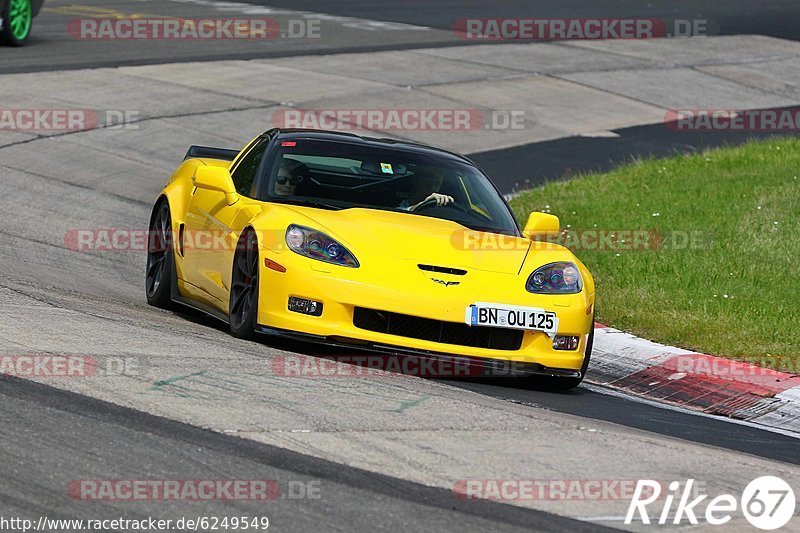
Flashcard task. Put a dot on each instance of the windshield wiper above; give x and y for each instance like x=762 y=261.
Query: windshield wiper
x=309 y=203
x=489 y=229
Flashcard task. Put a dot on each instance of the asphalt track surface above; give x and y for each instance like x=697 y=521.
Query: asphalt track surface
x=728 y=18
x=368 y=26
x=350 y=26
x=51 y=436
x=58 y=301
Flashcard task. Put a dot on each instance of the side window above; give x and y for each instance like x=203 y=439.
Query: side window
x=245 y=174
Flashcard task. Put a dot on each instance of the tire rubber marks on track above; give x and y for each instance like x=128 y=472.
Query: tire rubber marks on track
x=211 y=385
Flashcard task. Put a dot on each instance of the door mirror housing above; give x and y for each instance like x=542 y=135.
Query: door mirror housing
x=217 y=179
x=541 y=226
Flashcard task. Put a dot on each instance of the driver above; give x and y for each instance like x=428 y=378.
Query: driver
x=290 y=175
x=425 y=184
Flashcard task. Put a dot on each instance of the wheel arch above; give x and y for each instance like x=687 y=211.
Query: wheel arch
x=248 y=228
x=245 y=230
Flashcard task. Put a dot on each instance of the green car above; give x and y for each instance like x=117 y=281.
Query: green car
x=17 y=19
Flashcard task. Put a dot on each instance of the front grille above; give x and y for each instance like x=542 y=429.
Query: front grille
x=437 y=330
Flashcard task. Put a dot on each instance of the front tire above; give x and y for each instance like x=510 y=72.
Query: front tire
x=243 y=305
x=17 y=18
x=160 y=259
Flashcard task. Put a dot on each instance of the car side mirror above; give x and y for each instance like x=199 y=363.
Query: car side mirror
x=217 y=179
x=541 y=226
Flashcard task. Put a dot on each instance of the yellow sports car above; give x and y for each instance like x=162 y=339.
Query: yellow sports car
x=373 y=244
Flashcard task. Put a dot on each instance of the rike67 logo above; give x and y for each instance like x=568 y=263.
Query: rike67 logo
x=767 y=502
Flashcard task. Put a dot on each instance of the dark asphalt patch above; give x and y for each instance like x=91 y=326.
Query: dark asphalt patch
x=526 y=166
x=777 y=18
x=679 y=424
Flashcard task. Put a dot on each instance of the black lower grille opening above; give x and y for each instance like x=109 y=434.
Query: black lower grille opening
x=437 y=330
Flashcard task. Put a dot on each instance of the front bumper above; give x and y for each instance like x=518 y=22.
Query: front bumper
x=408 y=290
x=445 y=365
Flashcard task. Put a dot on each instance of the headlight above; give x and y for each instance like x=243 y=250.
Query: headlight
x=555 y=278
x=316 y=245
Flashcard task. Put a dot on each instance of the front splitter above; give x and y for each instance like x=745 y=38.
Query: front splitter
x=446 y=365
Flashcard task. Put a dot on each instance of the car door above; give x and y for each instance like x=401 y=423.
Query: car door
x=213 y=228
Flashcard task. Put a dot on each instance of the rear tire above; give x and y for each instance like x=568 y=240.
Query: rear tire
x=243 y=304
x=17 y=18
x=160 y=272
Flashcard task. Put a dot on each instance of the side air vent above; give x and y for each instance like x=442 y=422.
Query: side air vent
x=181 y=230
x=443 y=270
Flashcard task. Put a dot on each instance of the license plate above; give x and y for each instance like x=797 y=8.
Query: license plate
x=513 y=317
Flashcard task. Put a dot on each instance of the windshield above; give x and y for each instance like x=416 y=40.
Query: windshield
x=341 y=175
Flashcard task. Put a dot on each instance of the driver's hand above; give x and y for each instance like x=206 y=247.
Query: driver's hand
x=441 y=199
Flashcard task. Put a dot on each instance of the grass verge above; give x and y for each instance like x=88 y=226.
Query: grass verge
x=721 y=271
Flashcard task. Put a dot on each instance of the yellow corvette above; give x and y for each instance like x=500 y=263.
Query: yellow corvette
x=372 y=244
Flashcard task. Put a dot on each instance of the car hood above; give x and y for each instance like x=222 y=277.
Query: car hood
x=409 y=237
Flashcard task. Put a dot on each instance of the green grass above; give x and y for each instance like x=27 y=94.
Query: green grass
x=736 y=292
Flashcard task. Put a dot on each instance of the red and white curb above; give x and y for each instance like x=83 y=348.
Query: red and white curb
x=700 y=382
